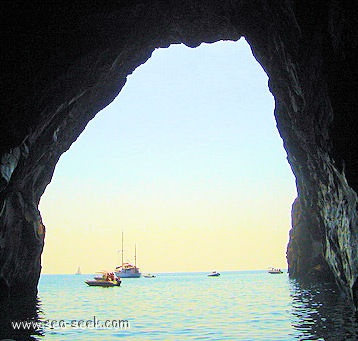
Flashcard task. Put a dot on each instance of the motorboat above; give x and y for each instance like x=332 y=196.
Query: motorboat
x=104 y=279
x=149 y=276
x=214 y=274
x=274 y=271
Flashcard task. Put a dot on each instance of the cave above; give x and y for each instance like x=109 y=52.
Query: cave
x=63 y=64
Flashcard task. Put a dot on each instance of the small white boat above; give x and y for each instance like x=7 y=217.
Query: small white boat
x=214 y=274
x=105 y=279
x=274 y=271
x=149 y=276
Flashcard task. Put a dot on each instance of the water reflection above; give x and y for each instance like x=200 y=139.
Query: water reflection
x=24 y=311
x=320 y=312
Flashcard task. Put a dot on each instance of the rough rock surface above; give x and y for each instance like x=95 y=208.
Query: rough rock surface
x=62 y=64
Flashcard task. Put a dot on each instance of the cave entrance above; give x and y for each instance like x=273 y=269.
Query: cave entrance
x=187 y=161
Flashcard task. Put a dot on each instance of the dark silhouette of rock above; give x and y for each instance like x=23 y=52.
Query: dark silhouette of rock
x=64 y=63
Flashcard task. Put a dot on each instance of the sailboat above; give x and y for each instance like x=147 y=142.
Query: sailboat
x=78 y=272
x=128 y=270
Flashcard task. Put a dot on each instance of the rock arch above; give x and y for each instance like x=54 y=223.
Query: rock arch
x=64 y=64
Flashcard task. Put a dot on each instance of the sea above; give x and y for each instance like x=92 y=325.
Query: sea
x=238 y=305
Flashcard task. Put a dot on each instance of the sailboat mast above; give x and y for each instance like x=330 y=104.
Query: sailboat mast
x=122 y=250
x=135 y=255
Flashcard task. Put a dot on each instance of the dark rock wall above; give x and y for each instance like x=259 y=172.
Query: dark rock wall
x=65 y=63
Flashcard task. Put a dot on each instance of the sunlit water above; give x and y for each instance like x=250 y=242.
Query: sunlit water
x=250 y=305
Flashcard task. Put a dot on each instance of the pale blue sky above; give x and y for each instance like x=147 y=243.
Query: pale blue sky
x=191 y=138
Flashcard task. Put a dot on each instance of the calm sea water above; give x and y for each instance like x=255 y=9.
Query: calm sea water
x=245 y=305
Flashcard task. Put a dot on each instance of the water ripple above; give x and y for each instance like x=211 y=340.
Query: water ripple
x=235 y=306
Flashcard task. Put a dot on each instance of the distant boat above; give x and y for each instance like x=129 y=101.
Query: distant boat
x=149 y=276
x=78 y=272
x=105 y=279
x=214 y=274
x=274 y=271
x=127 y=270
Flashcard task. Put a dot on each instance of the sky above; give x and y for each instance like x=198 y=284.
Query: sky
x=187 y=162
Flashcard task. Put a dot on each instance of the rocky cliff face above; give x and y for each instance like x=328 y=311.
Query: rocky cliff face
x=64 y=64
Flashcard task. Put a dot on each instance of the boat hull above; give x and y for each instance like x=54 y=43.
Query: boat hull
x=105 y=284
x=127 y=274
